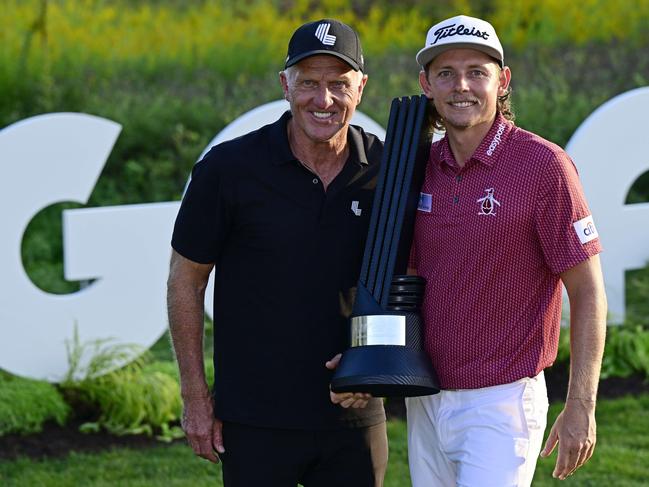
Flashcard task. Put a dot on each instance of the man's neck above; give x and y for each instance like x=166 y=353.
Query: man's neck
x=464 y=142
x=323 y=158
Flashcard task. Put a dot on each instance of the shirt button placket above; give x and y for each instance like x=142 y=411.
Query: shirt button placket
x=456 y=196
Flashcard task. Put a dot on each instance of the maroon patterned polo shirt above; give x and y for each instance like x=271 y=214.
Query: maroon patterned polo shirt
x=491 y=239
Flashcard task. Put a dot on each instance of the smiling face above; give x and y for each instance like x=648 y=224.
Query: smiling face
x=323 y=92
x=465 y=85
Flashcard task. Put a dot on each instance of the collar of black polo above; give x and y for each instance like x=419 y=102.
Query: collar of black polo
x=280 y=150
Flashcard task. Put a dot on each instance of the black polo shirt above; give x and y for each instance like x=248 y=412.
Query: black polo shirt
x=287 y=257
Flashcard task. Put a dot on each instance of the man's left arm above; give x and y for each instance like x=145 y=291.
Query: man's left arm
x=574 y=430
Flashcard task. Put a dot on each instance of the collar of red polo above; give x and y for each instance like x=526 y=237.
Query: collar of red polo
x=489 y=149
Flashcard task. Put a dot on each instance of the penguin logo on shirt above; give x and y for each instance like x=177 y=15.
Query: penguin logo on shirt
x=488 y=203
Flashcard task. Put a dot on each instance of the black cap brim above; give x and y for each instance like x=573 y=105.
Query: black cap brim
x=354 y=65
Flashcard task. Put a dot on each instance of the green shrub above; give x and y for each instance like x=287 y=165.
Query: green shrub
x=25 y=405
x=132 y=399
x=95 y=358
x=626 y=352
x=637 y=294
x=127 y=401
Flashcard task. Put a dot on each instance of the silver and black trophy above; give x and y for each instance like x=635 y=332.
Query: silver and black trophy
x=387 y=357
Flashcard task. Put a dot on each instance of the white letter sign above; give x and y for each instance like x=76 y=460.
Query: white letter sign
x=51 y=159
x=611 y=151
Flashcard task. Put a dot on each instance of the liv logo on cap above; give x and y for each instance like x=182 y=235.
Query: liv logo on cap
x=322 y=33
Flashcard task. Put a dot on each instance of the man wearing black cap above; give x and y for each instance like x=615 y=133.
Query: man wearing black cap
x=281 y=215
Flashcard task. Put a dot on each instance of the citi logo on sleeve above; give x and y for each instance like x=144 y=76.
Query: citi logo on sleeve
x=488 y=203
x=585 y=229
x=322 y=33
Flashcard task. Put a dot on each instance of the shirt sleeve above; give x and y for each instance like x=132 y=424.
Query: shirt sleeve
x=561 y=207
x=205 y=214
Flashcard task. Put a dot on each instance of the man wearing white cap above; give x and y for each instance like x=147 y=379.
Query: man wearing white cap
x=502 y=223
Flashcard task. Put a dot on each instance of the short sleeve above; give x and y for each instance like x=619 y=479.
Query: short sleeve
x=561 y=205
x=205 y=214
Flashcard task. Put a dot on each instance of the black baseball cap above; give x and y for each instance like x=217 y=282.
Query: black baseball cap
x=326 y=36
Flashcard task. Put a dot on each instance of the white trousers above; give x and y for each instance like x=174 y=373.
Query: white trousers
x=477 y=437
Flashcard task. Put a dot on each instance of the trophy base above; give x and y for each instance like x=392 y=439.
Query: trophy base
x=385 y=371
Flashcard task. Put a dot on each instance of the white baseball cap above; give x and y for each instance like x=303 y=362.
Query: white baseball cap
x=461 y=32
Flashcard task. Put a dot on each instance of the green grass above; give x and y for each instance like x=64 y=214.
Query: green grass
x=621 y=459
x=173 y=465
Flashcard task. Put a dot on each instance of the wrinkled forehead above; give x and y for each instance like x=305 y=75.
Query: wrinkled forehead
x=323 y=66
x=323 y=62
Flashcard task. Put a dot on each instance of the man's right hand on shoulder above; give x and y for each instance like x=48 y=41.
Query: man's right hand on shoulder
x=202 y=429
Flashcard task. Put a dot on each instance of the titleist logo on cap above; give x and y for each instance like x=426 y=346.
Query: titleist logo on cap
x=450 y=30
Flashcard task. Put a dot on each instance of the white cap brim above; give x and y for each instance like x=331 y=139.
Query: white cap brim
x=427 y=54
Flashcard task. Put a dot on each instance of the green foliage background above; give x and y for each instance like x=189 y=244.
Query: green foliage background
x=174 y=73
x=26 y=404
